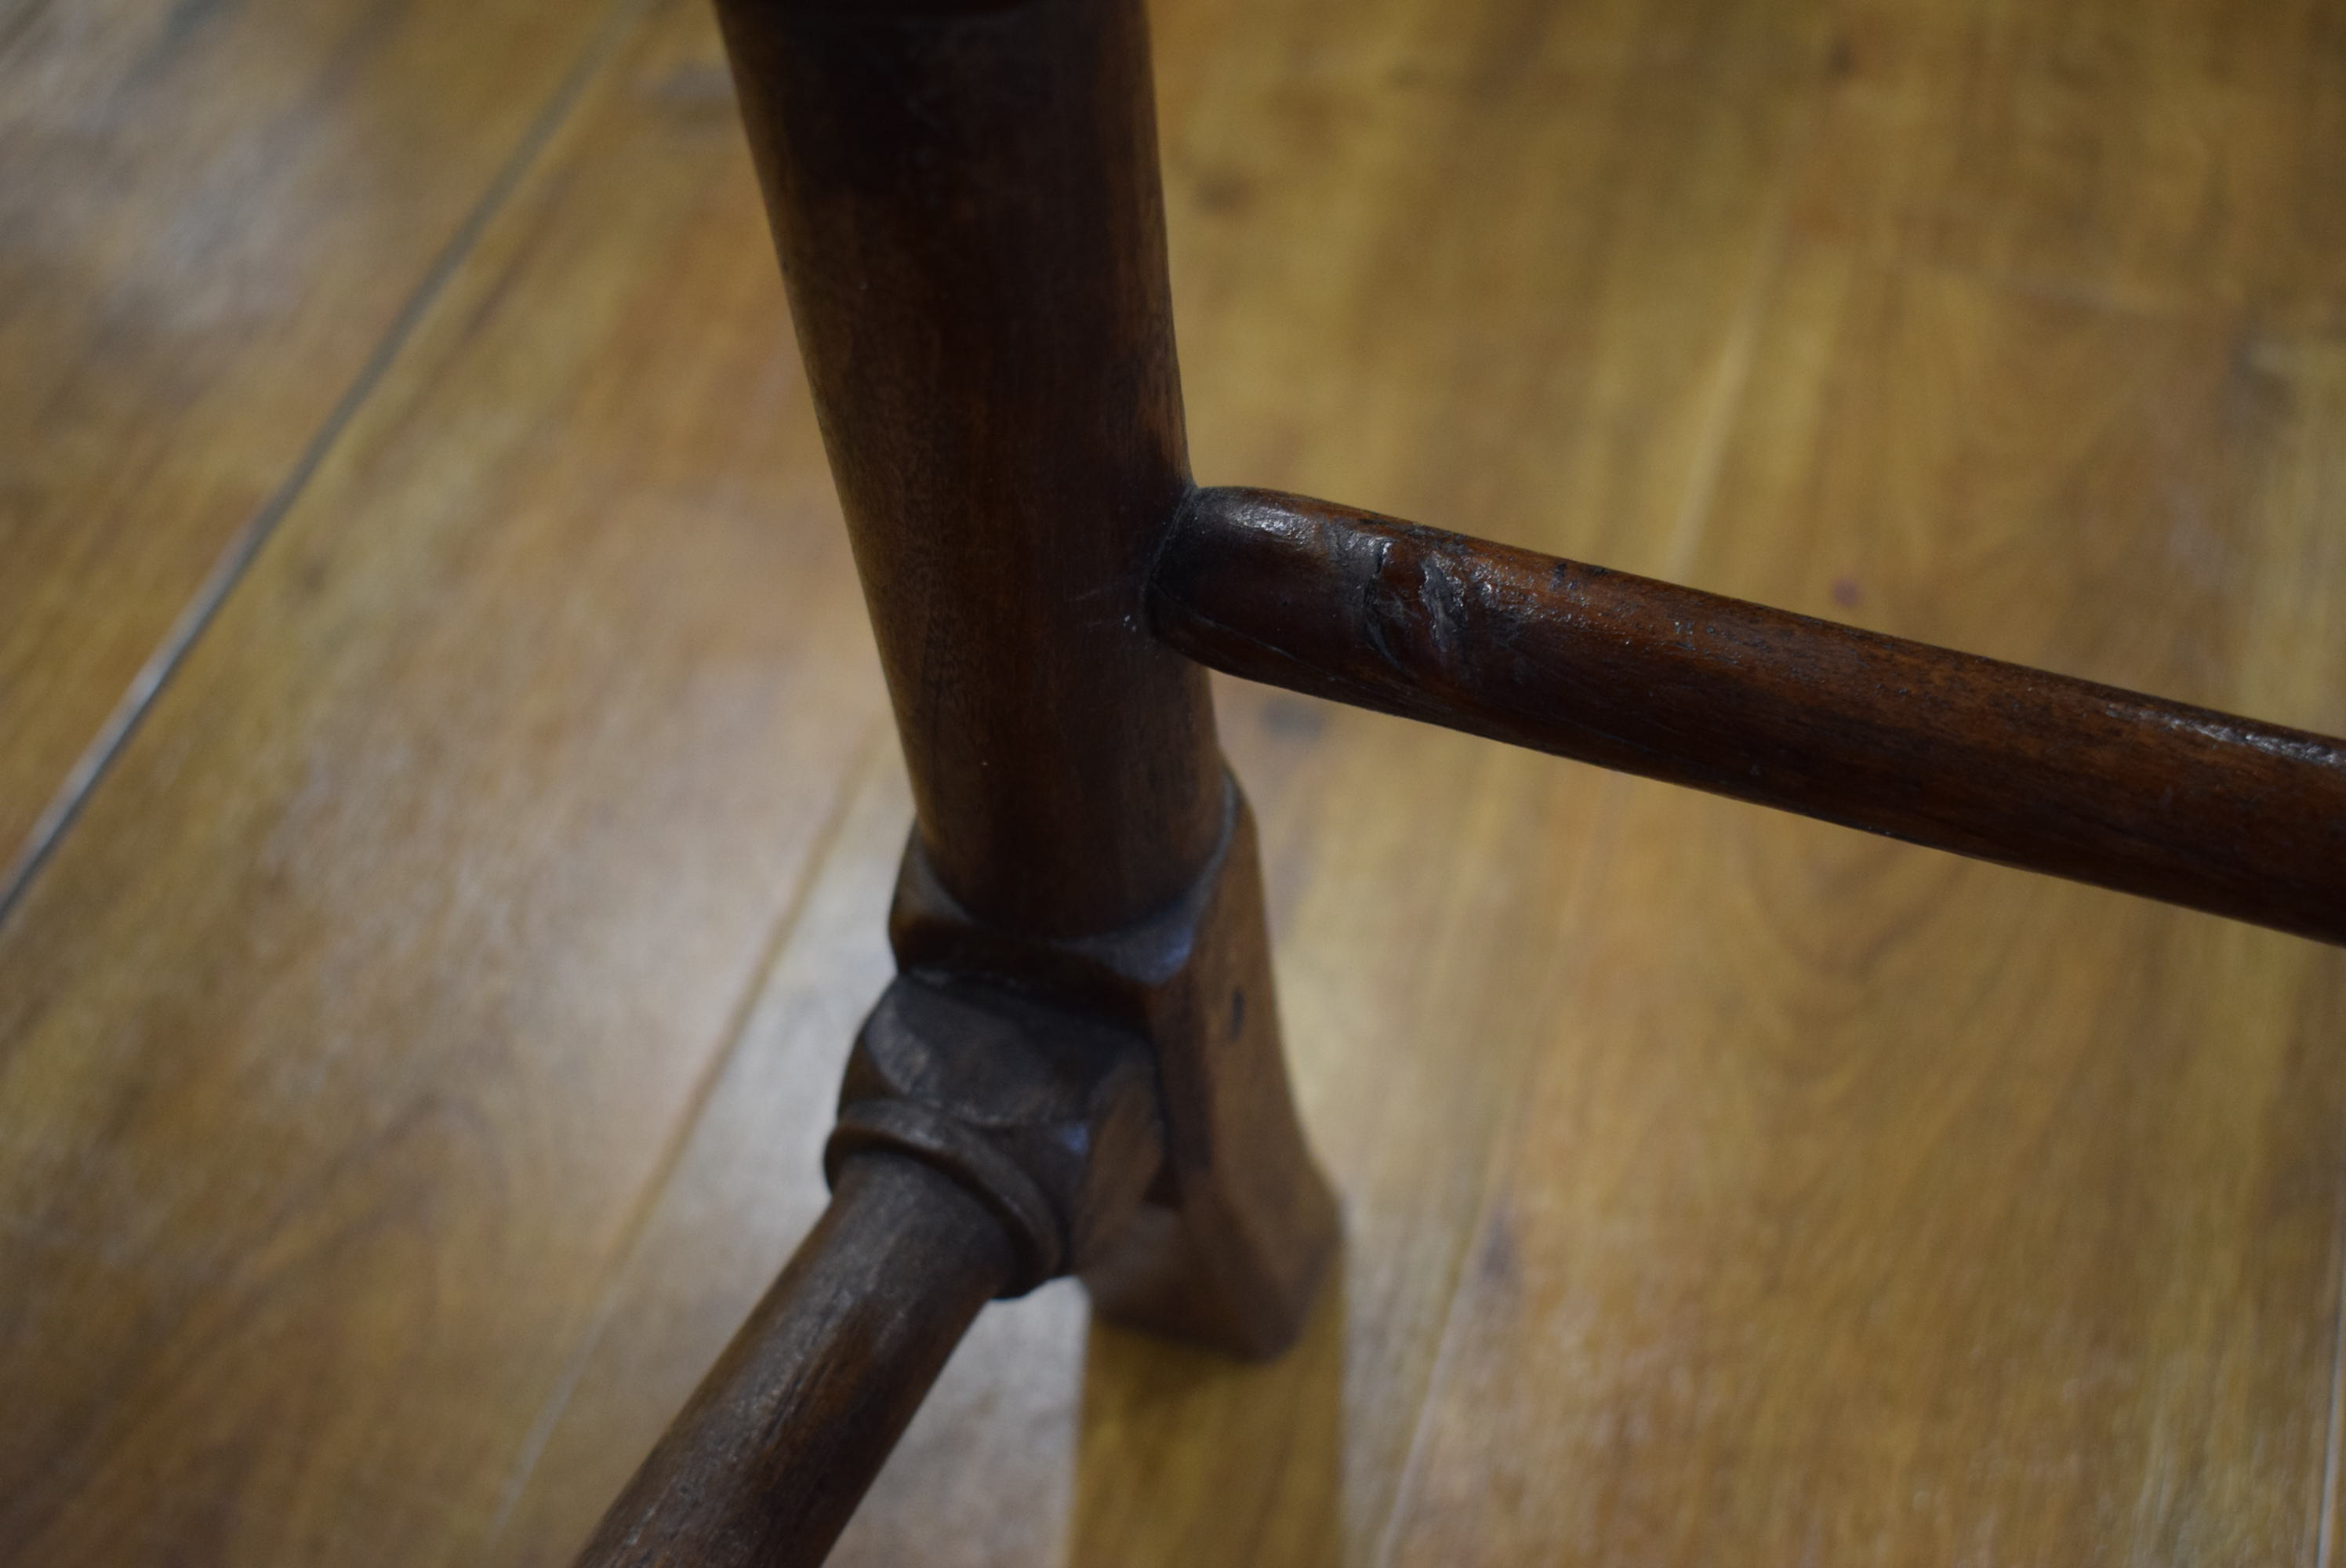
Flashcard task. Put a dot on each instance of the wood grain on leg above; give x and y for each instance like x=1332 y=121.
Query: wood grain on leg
x=967 y=204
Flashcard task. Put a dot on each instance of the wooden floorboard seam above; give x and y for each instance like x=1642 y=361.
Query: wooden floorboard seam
x=1586 y=878
x=246 y=545
x=1731 y=383
x=2325 y=1527
x=872 y=755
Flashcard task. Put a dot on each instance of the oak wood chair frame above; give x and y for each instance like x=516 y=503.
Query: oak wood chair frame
x=1078 y=1068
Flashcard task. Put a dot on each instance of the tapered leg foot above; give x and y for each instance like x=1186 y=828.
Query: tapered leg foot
x=1229 y=1246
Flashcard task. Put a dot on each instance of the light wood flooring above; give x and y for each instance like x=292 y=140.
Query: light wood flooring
x=447 y=801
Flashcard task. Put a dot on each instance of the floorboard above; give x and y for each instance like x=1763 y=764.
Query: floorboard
x=350 y=1026
x=215 y=222
x=413 y=1055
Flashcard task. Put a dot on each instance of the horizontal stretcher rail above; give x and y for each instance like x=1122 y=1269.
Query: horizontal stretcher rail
x=771 y=1454
x=1987 y=758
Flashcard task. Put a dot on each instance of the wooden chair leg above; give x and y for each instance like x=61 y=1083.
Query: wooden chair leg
x=966 y=201
x=1229 y=1247
x=964 y=195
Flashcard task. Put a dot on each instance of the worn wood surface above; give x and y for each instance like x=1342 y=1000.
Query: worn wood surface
x=986 y=1144
x=415 y=1059
x=2023 y=766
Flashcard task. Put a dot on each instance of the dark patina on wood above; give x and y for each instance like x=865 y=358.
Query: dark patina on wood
x=768 y=1459
x=985 y=1143
x=1239 y=1226
x=967 y=204
x=1080 y=1068
x=1992 y=760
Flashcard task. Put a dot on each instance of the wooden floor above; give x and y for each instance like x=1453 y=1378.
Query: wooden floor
x=447 y=800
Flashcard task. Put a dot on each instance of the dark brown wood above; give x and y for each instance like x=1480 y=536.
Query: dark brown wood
x=965 y=200
x=1239 y=1226
x=985 y=1143
x=781 y=1439
x=967 y=204
x=1049 y=1117
x=1983 y=757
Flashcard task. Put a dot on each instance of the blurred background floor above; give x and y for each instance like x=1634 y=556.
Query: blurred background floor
x=449 y=802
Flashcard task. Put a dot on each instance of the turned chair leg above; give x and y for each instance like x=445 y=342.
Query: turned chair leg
x=966 y=201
